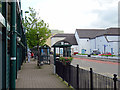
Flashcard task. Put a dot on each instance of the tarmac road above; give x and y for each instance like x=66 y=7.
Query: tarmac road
x=106 y=68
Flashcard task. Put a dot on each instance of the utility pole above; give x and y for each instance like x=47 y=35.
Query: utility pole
x=13 y=46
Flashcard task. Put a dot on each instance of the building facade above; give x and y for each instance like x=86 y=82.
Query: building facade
x=103 y=40
x=12 y=42
x=53 y=32
x=69 y=38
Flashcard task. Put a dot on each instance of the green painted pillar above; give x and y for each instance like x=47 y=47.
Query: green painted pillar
x=4 y=46
x=54 y=55
x=13 y=46
x=70 y=51
x=63 y=52
x=54 y=60
x=67 y=51
x=18 y=46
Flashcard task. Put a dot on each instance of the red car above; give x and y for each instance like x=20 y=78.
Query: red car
x=108 y=53
x=75 y=53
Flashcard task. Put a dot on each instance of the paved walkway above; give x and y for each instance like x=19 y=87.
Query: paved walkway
x=32 y=77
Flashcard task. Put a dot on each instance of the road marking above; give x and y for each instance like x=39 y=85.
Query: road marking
x=98 y=61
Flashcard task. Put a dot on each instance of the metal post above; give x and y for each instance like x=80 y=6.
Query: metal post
x=38 y=50
x=63 y=52
x=59 y=51
x=18 y=52
x=63 y=73
x=13 y=46
x=54 y=60
x=20 y=3
x=91 y=79
x=69 y=75
x=77 y=77
x=25 y=31
x=4 y=46
x=38 y=55
x=67 y=51
x=115 y=79
x=70 y=51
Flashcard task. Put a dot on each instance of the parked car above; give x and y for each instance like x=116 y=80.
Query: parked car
x=75 y=53
x=107 y=53
x=95 y=52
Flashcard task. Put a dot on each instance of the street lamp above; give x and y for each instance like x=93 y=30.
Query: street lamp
x=26 y=12
x=25 y=32
x=38 y=49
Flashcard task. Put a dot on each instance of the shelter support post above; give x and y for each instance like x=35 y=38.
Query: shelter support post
x=54 y=60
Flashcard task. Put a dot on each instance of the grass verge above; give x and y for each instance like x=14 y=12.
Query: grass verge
x=65 y=82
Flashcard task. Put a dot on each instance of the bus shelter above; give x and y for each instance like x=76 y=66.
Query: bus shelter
x=44 y=55
x=61 y=49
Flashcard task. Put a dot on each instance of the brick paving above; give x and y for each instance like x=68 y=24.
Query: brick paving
x=32 y=77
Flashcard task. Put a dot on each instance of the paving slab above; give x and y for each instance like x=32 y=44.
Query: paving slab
x=30 y=76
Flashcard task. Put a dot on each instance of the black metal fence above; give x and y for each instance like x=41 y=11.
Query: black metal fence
x=84 y=79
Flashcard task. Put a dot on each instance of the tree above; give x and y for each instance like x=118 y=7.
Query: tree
x=37 y=30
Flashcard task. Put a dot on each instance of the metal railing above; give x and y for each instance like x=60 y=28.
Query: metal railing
x=84 y=79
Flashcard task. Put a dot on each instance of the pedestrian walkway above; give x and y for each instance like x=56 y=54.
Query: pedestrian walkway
x=30 y=76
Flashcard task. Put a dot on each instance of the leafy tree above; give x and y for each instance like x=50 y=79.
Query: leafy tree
x=37 y=30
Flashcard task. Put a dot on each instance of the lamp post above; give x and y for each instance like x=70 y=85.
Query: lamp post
x=13 y=47
x=25 y=32
x=26 y=12
x=38 y=49
x=25 y=18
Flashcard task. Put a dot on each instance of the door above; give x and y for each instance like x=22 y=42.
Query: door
x=112 y=51
x=83 y=51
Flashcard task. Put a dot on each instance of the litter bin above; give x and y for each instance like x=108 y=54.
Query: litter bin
x=89 y=55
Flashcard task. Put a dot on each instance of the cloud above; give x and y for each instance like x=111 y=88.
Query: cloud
x=107 y=17
x=68 y=15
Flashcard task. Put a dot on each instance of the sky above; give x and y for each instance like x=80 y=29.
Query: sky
x=69 y=15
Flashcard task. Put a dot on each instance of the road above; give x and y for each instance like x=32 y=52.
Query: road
x=106 y=68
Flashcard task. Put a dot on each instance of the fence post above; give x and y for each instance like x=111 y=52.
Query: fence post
x=77 y=77
x=91 y=79
x=115 y=79
x=69 y=74
x=63 y=70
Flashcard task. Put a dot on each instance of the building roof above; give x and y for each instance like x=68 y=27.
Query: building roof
x=89 y=33
x=63 y=35
x=56 y=31
x=70 y=38
x=92 y=33
x=113 y=31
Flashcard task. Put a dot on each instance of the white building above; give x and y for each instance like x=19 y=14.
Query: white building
x=104 y=40
x=86 y=40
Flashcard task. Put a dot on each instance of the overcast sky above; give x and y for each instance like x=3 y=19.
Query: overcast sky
x=69 y=15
